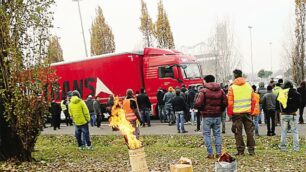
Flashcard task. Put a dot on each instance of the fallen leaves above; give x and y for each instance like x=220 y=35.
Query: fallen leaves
x=60 y=153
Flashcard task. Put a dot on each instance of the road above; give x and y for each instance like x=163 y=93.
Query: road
x=158 y=128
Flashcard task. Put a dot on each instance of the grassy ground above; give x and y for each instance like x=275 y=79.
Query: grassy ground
x=59 y=153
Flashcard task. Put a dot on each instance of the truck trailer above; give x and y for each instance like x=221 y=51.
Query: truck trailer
x=103 y=75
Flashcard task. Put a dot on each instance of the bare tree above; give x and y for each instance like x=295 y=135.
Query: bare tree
x=222 y=46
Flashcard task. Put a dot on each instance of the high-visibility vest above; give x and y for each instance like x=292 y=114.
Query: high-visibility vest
x=283 y=97
x=276 y=90
x=242 y=98
x=256 y=110
x=63 y=106
x=129 y=112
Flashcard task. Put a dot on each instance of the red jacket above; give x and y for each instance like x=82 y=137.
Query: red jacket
x=211 y=100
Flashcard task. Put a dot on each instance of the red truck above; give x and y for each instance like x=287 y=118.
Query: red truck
x=114 y=73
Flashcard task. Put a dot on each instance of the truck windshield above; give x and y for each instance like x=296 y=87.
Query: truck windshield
x=190 y=71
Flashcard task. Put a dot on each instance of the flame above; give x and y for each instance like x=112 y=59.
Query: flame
x=119 y=121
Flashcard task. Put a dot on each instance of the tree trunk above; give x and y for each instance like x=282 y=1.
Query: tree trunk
x=10 y=144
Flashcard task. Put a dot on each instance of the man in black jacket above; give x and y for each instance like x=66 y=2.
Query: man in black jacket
x=288 y=102
x=161 y=105
x=144 y=107
x=55 y=110
x=179 y=107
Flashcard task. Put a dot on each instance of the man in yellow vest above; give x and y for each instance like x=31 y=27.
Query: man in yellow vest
x=241 y=105
x=64 y=107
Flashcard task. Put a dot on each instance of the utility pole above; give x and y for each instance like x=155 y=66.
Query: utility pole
x=270 y=43
x=85 y=47
x=250 y=28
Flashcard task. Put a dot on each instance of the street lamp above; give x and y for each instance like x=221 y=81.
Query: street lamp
x=82 y=27
x=250 y=28
x=270 y=43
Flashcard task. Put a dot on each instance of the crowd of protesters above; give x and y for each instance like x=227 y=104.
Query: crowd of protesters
x=245 y=105
x=203 y=106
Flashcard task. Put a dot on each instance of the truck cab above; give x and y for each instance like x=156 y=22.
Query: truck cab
x=168 y=68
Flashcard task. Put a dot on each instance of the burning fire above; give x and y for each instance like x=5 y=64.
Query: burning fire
x=119 y=121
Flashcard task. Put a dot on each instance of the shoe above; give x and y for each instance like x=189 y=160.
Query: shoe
x=239 y=154
x=273 y=134
x=210 y=156
x=256 y=134
x=178 y=131
x=149 y=125
x=251 y=153
x=169 y=124
x=196 y=130
x=223 y=132
x=218 y=156
x=81 y=147
x=184 y=131
x=269 y=134
x=89 y=147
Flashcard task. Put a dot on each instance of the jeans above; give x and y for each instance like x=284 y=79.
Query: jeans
x=162 y=113
x=136 y=131
x=180 y=119
x=210 y=123
x=82 y=135
x=292 y=121
x=169 y=113
x=92 y=118
x=256 y=120
x=261 y=116
x=193 y=116
x=145 y=116
x=223 y=118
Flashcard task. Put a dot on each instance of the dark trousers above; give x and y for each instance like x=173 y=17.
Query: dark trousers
x=56 y=121
x=82 y=132
x=277 y=118
x=99 y=120
x=270 y=118
x=145 y=116
x=240 y=120
x=68 y=119
x=301 y=111
x=198 y=120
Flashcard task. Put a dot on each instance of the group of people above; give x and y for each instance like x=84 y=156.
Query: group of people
x=176 y=105
x=243 y=104
x=79 y=112
x=207 y=104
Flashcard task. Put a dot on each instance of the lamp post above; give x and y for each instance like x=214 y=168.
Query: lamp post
x=85 y=47
x=250 y=28
x=270 y=43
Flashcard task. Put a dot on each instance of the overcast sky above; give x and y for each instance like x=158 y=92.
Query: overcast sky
x=192 y=21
